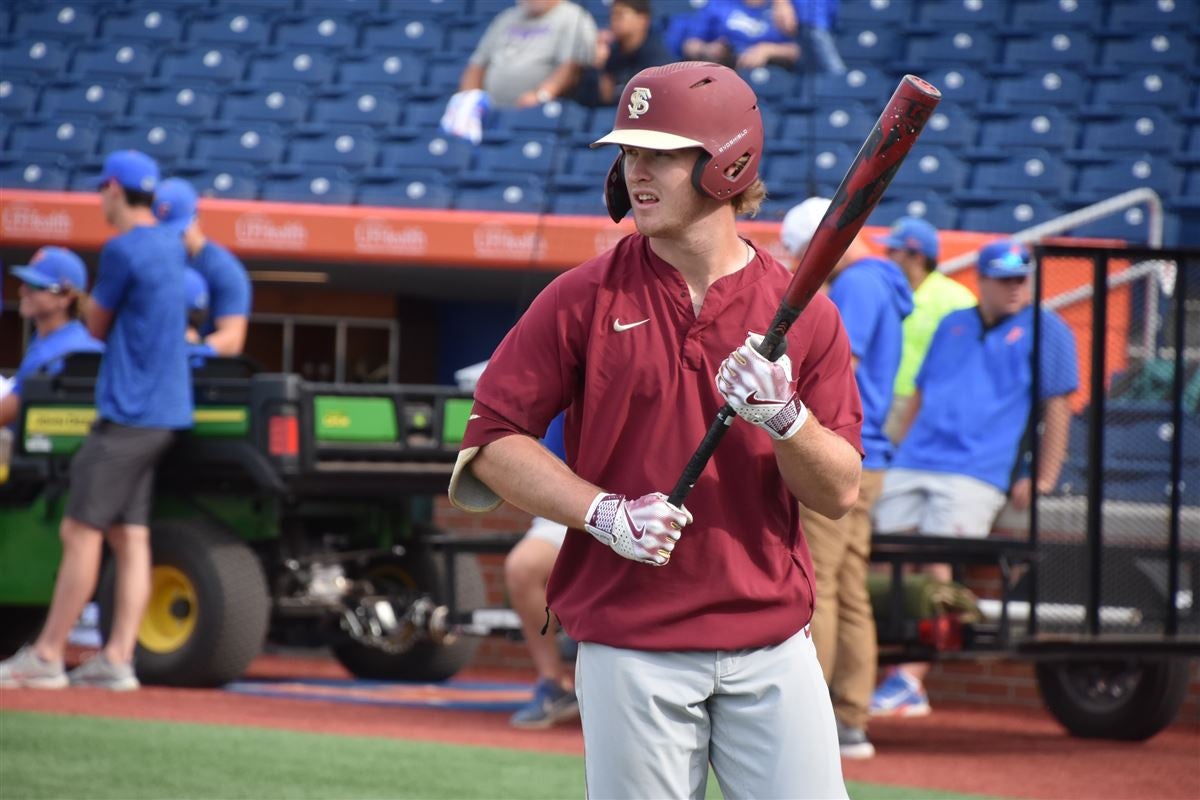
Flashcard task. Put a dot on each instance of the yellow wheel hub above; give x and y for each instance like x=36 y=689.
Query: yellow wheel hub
x=171 y=614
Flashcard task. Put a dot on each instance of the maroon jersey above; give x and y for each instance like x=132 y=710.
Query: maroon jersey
x=616 y=342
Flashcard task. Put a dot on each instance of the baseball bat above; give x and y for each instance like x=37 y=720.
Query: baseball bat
x=880 y=157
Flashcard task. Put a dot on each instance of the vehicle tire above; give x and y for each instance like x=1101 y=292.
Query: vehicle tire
x=18 y=626
x=417 y=573
x=1127 y=700
x=209 y=606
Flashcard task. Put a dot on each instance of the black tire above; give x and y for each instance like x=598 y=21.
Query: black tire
x=425 y=661
x=1124 y=700
x=19 y=625
x=213 y=641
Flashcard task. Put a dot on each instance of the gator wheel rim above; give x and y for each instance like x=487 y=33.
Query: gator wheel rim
x=171 y=614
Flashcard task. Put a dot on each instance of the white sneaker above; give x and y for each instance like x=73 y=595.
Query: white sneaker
x=27 y=669
x=100 y=673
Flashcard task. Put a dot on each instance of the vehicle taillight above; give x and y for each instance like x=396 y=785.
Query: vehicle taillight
x=283 y=436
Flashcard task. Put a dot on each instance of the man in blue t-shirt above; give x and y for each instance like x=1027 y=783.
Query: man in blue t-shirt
x=51 y=285
x=873 y=296
x=955 y=468
x=744 y=34
x=143 y=397
x=228 y=284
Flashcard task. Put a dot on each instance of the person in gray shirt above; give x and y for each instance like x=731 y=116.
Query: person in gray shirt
x=532 y=53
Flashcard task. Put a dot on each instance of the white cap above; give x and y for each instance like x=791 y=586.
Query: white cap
x=801 y=223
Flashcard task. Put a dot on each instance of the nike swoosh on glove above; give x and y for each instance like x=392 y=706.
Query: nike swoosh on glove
x=761 y=391
x=645 y=529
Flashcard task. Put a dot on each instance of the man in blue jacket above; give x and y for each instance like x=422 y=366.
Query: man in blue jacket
x=874 y=297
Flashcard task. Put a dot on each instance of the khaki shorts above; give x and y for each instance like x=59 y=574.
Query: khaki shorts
x=936 y=504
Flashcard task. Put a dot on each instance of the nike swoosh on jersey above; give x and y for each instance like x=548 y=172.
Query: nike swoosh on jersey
x=618 y=326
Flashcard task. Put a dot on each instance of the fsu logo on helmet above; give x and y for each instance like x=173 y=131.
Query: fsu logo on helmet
x=639 y=102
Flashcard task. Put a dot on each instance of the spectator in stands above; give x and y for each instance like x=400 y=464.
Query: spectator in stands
x=526 y=572
x=742 y=33
x=143 y=396
x=913 y=244
x=51 y=287
x=224 y=329
x=626 y=47
x=532 y=53
x=195 y=293
x=873 y=297
x=971 y=412
x=814 y=19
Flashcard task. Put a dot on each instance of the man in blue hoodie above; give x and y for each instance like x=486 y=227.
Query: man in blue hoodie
x=874 y=297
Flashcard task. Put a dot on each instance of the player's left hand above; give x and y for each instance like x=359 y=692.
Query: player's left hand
x=761 y=391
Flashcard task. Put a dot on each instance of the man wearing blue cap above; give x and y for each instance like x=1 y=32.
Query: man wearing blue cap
x=51 y=285
x=972 y=409
x=912 y=244
x=143 y=396
x=228 y=284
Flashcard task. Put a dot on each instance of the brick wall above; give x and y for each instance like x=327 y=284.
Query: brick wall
x=980 y=682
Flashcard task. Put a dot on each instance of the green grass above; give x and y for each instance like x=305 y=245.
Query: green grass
x=51 y=756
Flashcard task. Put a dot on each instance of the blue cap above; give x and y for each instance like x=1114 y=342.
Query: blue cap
x=912 y=233
x=195 y=290
x=132 y=169
x=1005 y=259
x=54 y=268
x=175 y=204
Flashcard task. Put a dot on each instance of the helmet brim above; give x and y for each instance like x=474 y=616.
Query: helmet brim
x=651 y=140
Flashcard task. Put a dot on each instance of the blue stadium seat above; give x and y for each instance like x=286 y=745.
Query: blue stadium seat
x=59 y=22
x=218 y=65
x=825 y=167
x=349 y=151
x=1033 y=16
x=960 y=14
x=584 y=202
x=71 y=141
x=285 y=106
x=309 y=69
x=179 y=104
x=87 y=100
x=1050 y=48
x=962 y=86
x=464 y=40
x=1007 y=216
x=230 y=28
x=1169 y=50
x=1148 y=130
x=841 y=122
x=772 y=84
x=267 y=8
x=260 y=144
x=929 y=206
x=442 y=77
x=1022 y=172
x=231 y=182
x=1158 y=88
x=1132 y=225
x=326 y=186
x=422 y=117
x=146 y=26
x=322 y=33
x=378 y=109
x=931 y=167
x=867 y=84
x=1136 y=15
x=591 y=163
x=1125 y=172
x=1047 y=129
x=1054 y=87
x=447 y=9
x=17 y=98
x=163 y=141
x=875 y=44
x=883 y=13
x=950 y=125
x=553 y=117
x=391 y=71
x=957 y=46
x=407 y=33
x=527 y=154
x=516 y=195
x=407 y=192
x=343 y=8
x=38 y=60
x=448 y=154
x=27 y=173
x=129 y=61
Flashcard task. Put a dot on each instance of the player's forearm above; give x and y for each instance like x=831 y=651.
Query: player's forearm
x=527 y=475
x=472 y=78
x=1054 y=443
x=820 y=468
x=561 y=81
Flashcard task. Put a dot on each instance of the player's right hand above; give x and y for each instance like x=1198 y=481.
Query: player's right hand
x=645 y=529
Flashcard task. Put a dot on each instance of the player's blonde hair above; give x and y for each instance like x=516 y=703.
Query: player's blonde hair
x=750 y=201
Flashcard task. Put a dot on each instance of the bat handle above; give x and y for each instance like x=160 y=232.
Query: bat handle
x=699 y=459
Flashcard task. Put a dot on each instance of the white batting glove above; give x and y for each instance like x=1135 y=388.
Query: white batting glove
x=761 y=391
x=645 y=529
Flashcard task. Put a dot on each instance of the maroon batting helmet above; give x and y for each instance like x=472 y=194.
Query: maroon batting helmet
x=688 y=104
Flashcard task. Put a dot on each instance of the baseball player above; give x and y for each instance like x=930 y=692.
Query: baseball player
x=692 y=623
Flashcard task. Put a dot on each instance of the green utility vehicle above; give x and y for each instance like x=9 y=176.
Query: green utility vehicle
x=293 y=511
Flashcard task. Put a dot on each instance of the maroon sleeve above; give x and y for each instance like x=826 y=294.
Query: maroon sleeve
x=826 y=380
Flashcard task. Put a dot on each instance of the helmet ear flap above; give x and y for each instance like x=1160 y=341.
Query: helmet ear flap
x=616 y=193
x=698 y=173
